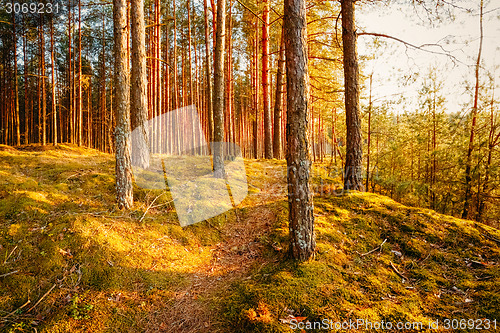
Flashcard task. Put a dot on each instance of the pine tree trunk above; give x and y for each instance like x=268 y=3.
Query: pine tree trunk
x=70 y=81
x=27 y=118
x=43 y=124
x=80 y=102
x=104 y=120
x=122 y=107
x=17 y=127
x=208 y=77
x=367 y=187
x=353 y=179
x=278 y=101
x=218 y=159
x=138 y=93
x=255 y=90
x=300 y=201
x=53 y=64
x=266 y=100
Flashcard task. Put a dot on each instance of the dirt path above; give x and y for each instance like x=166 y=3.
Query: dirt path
x=231 y=259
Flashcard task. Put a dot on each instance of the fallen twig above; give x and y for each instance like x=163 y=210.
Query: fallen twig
x=397 y=272
x=375 y=249
x=9 y=273
x=41 y=298
x=151 y=204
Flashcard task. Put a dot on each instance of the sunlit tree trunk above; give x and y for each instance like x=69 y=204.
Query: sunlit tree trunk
x=208 y=76
x=53 y=64
x=27 y=117
x=278 y=101
x=353 y=179
x=43 y=123
x=122 y=107
x=367 y=188
x=80 y=98
x=266 y=100
x=255 y=92
x=138 y=94
x=300 y=203
x=71 y=129
x=17 y=127
x=219 y=90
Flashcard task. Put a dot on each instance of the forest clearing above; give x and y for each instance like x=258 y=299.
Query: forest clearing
x=249 y=166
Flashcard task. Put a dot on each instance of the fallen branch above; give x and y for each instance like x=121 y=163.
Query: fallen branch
x=397 y=272
x=41 y=298
x=375 y=249
x=9 y=273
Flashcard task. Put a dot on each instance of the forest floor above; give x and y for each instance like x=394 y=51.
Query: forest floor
x=70 y=261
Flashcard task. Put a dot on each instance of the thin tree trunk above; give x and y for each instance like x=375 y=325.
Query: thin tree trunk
x=104 y=120
x=300 y=202
x=16 y=125
x=71 y=129
x=53 y=64
x=139 y=102
x=208 y=76
x=255 y=90
x=218 y=103
x=353 y=179
x=278 y=101
x=27 y=118
x=266 y=100
x=80 y=102
x=44 y=92
x=367 y=188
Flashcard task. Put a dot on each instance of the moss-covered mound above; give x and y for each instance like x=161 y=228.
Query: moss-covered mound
x=379 y=264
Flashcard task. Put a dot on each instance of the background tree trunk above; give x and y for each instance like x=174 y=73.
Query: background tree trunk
x=139 y=102
x=53 y=64
x=266 y=100
x=278 y=102
x=208 y=76
x=300 y=203
x=219 y=90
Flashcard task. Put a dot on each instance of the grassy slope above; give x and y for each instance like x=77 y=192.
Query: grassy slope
x=109 y=272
